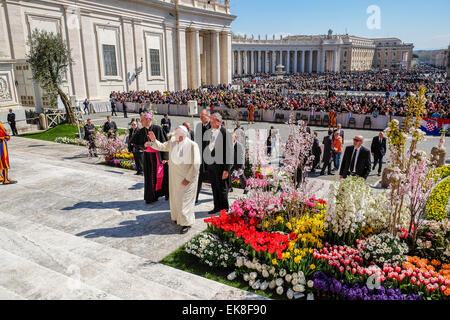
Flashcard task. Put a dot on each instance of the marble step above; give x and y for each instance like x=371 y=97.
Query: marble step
x=108 y=279
x=61 y=249
x=6 y=294
x=33 y=281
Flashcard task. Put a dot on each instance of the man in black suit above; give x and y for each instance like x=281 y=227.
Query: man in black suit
x=113 y=107
x=378 y=149
x=219 y=160
x=89 y=136
x=238 y=163
x=12 y=122
x=202 y=130
x=137 y=153
x=316 y=151
x=356 y=161
x=124 y=105
x=327 y=153
x=166 y=123
x=110 y=127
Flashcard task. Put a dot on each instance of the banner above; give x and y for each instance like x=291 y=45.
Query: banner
x=435 y=126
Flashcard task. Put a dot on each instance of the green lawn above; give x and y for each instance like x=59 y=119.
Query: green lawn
x=62 y=130
x=180 y=259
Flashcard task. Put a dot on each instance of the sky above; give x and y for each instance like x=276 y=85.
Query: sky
x=426 y=24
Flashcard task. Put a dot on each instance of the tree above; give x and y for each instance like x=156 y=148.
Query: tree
x=49 y=58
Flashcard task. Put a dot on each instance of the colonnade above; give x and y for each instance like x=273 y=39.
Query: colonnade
x=294 y=61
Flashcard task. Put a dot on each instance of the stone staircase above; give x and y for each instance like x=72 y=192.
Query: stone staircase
x=39 y=262
x=72 y=229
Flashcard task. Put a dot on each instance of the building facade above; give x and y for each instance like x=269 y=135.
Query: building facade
x=117 y=45
x=319 y=53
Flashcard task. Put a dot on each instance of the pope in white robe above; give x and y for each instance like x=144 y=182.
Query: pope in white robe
x=184 y=168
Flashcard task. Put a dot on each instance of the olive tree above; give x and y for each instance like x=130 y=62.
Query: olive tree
x=49 y=58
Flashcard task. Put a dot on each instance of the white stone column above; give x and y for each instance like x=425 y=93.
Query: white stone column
x=226 y=58
x=245 y=62
x=295 y=61
x=239 y=62
x=288 y=62
x=252 y=61
x=281 y=57
x=310 y=61
x=196 y=65
x=183 y=63
x=335 y=60
x=338 y=60
x=266 y=62
x=274 y=61
x=322 y=59
x=259 y=61
x=303 y=62
x=215 y=58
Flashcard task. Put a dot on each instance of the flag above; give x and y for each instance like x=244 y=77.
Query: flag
x=430 y=127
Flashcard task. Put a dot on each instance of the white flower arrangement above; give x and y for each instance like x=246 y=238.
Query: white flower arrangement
x=383 y=248
x=211 y=250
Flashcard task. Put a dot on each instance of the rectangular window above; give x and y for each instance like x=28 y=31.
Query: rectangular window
x=155 y=65
x=109 y=60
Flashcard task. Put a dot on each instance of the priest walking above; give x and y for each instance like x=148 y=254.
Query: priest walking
x=184 y=163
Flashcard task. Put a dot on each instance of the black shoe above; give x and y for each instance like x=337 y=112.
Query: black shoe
x=330 y=173
x=230 y=190
x=322 y=173
x=196 y=201
x=174 y=221
x=213 y=211
x=138 y=173
x=379 y=174
x=184 y=230
x=167 y=198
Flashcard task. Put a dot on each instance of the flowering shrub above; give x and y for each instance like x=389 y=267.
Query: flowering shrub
x=433 y=240
x=383 y=248
x=125 y=155
x=257 y=206
x=211 y=250
x=347 y=206
x=74 y=141
x=109 y=146
x=437 y=205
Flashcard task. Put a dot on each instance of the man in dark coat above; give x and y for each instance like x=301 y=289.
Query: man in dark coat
x=219 y=160
x=89 y=136
x=356 y=161
x=202 y=131
x=166 y=124
x=113 y=107
x=327 y=153
x=137 y=153
x=141 y=141
x=11 y=118
x=378 y=149
x=316 y=151
x=124 y=106
x=110 y=127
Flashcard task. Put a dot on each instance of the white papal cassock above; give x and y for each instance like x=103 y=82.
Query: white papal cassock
x=184 y=163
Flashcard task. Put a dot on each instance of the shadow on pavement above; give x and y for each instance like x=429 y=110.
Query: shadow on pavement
x=137 y=186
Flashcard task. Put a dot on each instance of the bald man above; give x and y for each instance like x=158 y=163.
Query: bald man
x=356 y=161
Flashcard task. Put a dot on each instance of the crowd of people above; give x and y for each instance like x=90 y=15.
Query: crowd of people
x=287 y=94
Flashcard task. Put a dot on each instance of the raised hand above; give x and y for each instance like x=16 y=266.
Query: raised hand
x=151 y=136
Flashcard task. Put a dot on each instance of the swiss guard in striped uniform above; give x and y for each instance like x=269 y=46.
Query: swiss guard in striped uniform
x=4 y=159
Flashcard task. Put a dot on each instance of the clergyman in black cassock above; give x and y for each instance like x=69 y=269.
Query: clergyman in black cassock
x=150 y=161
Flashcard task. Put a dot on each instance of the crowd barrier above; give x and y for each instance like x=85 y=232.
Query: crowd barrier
x=360 y=121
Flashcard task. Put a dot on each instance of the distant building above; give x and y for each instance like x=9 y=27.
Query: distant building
x=319 y=53
x=116 y=45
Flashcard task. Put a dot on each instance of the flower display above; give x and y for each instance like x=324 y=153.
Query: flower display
x=383 y=248
x=433 y=240
x=356 y=291
x=211 y=250
x=74 y=141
